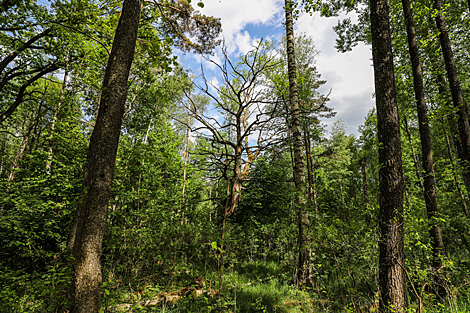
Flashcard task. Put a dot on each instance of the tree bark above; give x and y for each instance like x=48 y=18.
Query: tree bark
x=426 y=148
x=455 y=89
x=304 y=274
x=392 y=292
x=91 y=214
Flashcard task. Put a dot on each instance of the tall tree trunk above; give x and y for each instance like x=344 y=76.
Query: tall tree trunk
x=441 y=83
x=454 y=170
x=312 y=191
x=426 y=148
x=392 y=291
x=304 y=274
x=86 y=242
x=455 y=89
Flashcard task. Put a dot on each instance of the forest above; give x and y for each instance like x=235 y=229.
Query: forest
x=129 y=183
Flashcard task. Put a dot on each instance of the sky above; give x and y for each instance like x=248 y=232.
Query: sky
x=349 y=75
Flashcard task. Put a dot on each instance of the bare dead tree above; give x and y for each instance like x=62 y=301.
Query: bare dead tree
x=250 y=120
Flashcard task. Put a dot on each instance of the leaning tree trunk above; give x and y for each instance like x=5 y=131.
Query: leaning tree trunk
x=392 y=292
x=426 y=148
x=304 y=274
x=455 y=90
x=86 y=241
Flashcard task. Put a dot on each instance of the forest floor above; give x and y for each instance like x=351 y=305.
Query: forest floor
x=253 y=287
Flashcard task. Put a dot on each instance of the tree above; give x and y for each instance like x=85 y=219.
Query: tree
x=456 y=90
x=311 y=103
x=304 y=274
x=248 y=112
x=90 y=220
x=426 y=143
x=392 y=284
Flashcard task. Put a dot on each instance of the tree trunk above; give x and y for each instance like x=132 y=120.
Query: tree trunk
x=310 y=173
x=392 y=291
x=426 y=147
x=86 y=241
x=454 y=170
x=455 y=138
x=455 y=89
x=304 y=274
x=236 y=180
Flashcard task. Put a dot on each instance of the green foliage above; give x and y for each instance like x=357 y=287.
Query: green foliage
x=157 y=241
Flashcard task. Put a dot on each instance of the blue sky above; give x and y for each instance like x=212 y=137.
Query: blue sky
x=348 y=75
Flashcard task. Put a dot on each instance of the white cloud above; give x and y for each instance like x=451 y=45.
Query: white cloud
x=348 y=75
x=236 y=15
x=242 y=43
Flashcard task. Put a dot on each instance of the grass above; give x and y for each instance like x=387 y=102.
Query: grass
x=267 y=287
x=256 y=287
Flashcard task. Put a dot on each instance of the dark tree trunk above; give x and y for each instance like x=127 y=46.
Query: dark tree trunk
x=426 y=146
x=90 y=220
x=392 y=291
x=304 y=274
x=441 y=83
x=455 y=90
